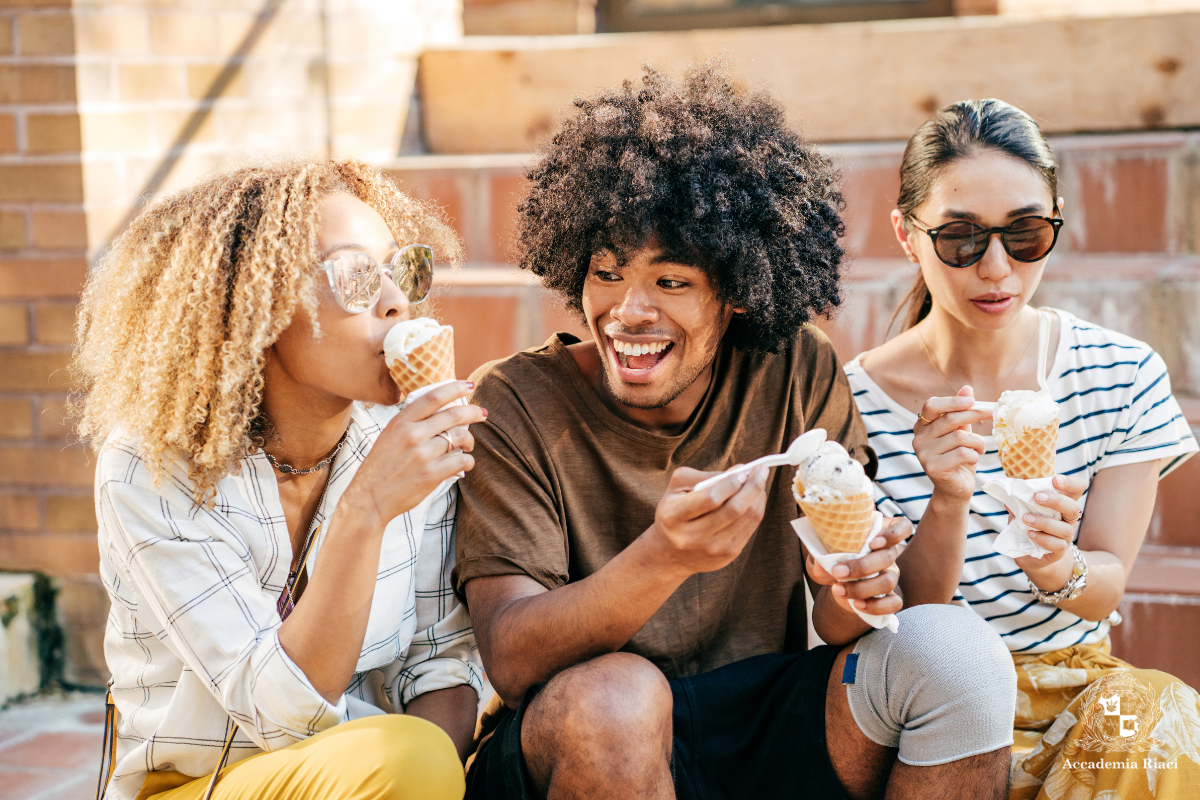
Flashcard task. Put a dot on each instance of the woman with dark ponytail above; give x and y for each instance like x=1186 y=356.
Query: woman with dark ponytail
x=979 y=213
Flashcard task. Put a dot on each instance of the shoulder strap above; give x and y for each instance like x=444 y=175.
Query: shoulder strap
x=108 y=748
x=1043 y=377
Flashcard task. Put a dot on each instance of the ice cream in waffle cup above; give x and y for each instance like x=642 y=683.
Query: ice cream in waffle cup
x=419 y=354
x=840 y=518
x=1025 y=431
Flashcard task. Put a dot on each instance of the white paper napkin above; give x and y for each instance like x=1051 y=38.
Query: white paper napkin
x=1017 y=496
x=812 y=543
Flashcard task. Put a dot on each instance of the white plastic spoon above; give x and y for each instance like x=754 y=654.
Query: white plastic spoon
x=800 y=449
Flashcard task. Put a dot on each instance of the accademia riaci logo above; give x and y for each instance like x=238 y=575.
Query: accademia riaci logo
x=1119 y=714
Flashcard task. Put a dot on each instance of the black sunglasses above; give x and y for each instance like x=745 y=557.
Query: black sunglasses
x=961 y=243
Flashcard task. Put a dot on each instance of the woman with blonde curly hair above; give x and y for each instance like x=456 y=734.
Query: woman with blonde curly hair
x=276 y=536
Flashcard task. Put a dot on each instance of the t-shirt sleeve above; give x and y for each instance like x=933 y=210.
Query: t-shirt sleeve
x=828 y=399
x=509 y=520
x=1152 y=427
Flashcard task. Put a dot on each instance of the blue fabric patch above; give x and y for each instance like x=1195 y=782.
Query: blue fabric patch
x=851 y=668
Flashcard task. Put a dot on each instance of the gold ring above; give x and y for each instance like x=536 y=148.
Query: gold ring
x=1078 y=517
x=449 y=441
x=926 y=421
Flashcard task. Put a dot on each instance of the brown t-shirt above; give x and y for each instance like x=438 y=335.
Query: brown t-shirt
x=561 y=485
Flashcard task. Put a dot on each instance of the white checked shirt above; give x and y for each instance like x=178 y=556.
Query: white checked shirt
x=193 y=636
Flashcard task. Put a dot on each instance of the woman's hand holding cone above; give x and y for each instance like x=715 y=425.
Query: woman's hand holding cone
x=849 y=583
x=1054 y=534
x=411 y=457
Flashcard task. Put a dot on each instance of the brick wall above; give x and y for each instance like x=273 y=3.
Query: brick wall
x=45 y=482
x=103 y=104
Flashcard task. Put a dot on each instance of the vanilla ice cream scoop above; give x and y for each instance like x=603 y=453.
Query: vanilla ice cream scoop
x=407 y=336
x=831 y=474
x=1020 y=411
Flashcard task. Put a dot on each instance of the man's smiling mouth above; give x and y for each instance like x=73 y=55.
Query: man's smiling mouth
x=641 y=356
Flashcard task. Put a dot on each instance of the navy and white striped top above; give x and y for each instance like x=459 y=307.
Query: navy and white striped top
x=1115 y=407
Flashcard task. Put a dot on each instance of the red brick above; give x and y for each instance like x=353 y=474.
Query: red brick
x=6 y=37
x=41 y=277
x=46 y=465
x=69 y=513
x=8 y=133
x=1159 y=633
x=41 y=182
x=870 y=194
x=19 y=512
x=485 y=327
x=505 y=191
x=53 y=230
x=1176 y=520
x=176 y=34
x=16 y=419
x=46 y=34
x=14 y=324
x=37 y=84
x=55 y=323
x=54 y=419
x=1122 y=205
x=53 y=133
x=51 y=553
x=38 y=372
x=12 y=230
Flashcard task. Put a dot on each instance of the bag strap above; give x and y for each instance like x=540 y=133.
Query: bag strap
x=108 y=748
x=290 y=592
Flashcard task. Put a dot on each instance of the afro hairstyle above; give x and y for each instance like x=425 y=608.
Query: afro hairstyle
x=715 y=175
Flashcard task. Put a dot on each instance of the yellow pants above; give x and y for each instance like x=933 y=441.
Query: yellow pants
x=387 y=757
x=1092 y=726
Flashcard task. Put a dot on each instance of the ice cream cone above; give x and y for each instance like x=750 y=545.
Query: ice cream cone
x=842 y=526
x=1030 y=455
x=428 y=363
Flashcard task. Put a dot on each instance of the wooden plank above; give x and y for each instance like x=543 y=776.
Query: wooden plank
x=845 y=82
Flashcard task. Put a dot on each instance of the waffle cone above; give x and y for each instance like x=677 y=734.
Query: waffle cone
x=842 y=527
x=428 y=363
x=1031 y=455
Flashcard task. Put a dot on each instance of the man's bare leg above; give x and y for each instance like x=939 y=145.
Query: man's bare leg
x=868 y=770
x=601 y=729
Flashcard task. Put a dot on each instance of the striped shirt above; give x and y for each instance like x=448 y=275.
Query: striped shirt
x=1115 y=407
x=193 y=635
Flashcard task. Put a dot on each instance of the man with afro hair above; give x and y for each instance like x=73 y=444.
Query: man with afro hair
x=648 y=640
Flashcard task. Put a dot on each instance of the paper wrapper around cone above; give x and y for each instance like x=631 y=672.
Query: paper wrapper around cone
x=428 y=363
x=842 y=527
x=1031 y=455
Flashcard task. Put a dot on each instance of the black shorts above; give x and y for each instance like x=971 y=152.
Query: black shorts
x=752 y=729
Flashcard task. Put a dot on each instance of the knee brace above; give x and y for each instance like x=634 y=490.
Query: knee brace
x=940 y=689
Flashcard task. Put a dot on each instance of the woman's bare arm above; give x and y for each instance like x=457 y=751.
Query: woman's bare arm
x=1120 y=504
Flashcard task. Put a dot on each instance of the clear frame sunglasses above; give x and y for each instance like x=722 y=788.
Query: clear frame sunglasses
x=357 y=279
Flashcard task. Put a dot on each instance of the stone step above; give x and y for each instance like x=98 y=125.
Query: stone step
x=845 y=82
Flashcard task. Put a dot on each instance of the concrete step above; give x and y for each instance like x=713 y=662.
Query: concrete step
x=846 y=82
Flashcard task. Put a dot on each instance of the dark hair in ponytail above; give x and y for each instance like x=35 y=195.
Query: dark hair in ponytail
x=958 y=131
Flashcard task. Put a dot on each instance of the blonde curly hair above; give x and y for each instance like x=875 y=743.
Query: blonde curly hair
x=177 y=316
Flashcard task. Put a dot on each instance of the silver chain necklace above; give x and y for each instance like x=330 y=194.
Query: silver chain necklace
x=288 y=469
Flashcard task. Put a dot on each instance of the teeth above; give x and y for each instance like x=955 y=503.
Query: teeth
x=632 y=349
